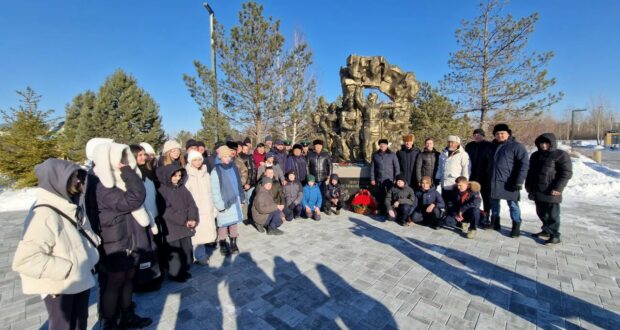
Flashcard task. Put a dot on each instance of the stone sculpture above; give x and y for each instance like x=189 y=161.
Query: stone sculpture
x=351 y=131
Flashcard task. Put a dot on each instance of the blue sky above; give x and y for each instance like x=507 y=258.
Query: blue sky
x=61 y=48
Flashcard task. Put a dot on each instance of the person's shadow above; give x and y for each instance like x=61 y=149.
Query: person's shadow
x=530 y=300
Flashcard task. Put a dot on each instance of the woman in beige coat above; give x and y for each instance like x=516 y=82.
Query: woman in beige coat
x=54 y=258
x=199 y=185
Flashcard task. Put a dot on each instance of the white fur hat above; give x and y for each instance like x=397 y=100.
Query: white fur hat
x=170 y=145
x=92 y=143
x=193 y=155
x=147 y=148
x=454 y=138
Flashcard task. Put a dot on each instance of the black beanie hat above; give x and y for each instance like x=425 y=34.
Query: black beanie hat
x=315 y=142
x=501 y=128
x=297 y=146
x=383 y=141
x=479 y=131
x=247 y=140
x=232 y=145
x=191 y=143
x=400 y=177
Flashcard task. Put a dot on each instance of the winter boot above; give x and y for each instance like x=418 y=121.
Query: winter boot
x=233 y=245
x=337 y=212
x=552 y=240
x=327 y=211
x=274 y=231
x=108 y=324
x=542 y=234
x=130 y=320
x=471 y=234
x=495 y=222
x=224 y=248
x=516 y=229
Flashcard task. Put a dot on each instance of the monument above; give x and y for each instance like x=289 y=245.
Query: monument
x=351 y=130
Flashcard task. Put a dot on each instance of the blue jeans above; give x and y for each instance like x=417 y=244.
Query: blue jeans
x=513 y=206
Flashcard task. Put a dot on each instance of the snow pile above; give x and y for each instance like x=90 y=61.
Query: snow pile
x=593 y=183
x=16 y=200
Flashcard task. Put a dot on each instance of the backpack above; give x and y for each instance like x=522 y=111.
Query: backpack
x=363 y=202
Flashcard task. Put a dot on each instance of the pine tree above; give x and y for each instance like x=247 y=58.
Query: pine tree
x=126 y=113
x=215 y=126
x=299 y=92
x=492 y=70
x=26 y=139
x=434 y=116
x=247 y=59
x=79 y=126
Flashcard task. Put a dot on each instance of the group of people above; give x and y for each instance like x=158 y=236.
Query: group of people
x=476 y=176
x=131 y=216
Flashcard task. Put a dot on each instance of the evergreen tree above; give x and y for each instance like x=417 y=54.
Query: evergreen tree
x=78 y=127
x=126 y=113
x=299 y=92
x=248 y=59
x=26 y=139
x=434 y=116
x=215 y=126
x=492 y=70
x=183 y=136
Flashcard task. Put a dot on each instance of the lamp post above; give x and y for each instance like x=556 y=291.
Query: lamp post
x=214 y=68
x=572 y=125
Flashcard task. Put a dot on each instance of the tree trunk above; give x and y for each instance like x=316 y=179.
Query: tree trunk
x=485 y=71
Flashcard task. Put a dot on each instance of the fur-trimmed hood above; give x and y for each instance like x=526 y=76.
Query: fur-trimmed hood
x=474 y=186
x=107 y=157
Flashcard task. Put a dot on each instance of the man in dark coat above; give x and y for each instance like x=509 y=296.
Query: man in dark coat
x=427 y=161
x=549 y=172
x=320 y=165
x=247 y=159
x=384 y=167
x=406 y=158
x=510 y=165
x=481 y=158
x=297 y=162
x=280 y=154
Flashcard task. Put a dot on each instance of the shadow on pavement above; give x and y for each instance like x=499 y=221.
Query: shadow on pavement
x=535 y=302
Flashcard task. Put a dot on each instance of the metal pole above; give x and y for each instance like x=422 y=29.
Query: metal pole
x=572 y=125
x=214 y=68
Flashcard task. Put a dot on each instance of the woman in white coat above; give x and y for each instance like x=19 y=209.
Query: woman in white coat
x=58 y=250
x=199 y=185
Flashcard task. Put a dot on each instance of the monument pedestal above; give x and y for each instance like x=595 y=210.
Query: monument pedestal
x=353 y=177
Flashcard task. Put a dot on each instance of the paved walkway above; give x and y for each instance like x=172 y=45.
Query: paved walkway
x=354 y=272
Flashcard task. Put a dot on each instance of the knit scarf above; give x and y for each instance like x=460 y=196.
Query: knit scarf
x=229 y=190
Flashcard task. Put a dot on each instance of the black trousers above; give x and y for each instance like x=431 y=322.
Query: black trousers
x=432 y=218
x=328 y=204
x=549 y=214
x=485 y=192
x=180 y=256
x=68 y=311
x=448 y=197
x=292 y=211
x=380 y=192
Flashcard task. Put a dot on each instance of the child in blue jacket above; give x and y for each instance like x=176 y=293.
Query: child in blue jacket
x=311 y=202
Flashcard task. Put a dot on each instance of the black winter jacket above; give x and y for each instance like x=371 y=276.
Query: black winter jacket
x=510 y=165
x=384 y=166
x=406 y=159
x=426 y=198
x=179 y=205
x=299 y=165
x=333 y=191
x=319 y=165
x=481 y=160
x=119 y=231
x=248 y=160
x=404 y=196
x=469 y=199
x=426 y=164
x=549 y=170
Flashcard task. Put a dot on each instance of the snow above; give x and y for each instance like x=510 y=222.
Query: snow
x=16 y=200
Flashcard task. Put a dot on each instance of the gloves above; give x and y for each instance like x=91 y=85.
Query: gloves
x=518 y=186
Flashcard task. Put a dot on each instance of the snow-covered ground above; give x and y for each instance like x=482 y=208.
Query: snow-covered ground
x=16 y=200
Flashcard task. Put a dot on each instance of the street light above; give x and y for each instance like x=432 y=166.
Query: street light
x=214 y=68
x=572 y=125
